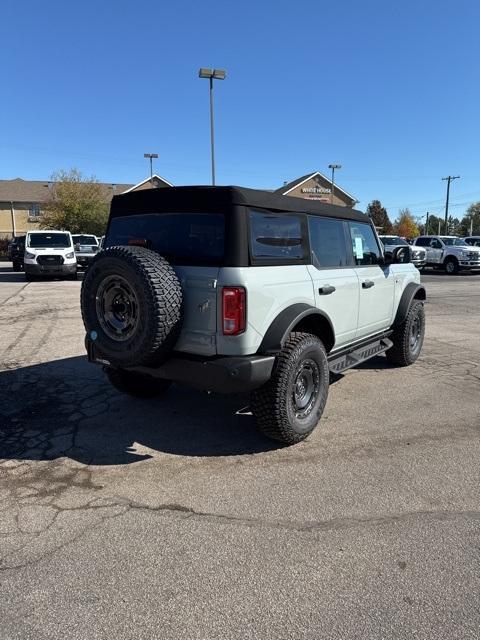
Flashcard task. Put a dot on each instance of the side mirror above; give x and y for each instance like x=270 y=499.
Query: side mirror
x=399 y=255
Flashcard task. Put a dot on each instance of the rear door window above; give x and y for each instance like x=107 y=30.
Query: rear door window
x=277 y=237
x=181 y=238
x=327 y=242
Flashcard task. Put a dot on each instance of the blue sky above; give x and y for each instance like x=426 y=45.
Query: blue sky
x=389 y=90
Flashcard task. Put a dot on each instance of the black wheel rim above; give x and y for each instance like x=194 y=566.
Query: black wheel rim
x=416 y=333
x=117 y=308
x=306 y=385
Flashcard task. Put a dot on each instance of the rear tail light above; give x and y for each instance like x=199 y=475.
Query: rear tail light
x=234 y=310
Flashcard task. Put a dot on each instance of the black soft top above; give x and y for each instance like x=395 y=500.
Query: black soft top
x=214 y=199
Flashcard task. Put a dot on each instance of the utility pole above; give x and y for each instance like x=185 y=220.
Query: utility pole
x=426 y=225
x=448 y=179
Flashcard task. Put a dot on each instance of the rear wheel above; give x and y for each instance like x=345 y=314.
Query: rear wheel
x=135 y=384
x=408 y=337
x=288 y=407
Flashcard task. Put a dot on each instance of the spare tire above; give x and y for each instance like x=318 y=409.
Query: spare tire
x=131 y=303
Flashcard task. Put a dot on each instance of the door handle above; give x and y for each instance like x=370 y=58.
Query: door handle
x=367 y=284
x=324 y=291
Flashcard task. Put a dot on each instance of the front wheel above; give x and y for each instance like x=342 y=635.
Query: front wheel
x=451 y=266
x=408 y=337
x=288 y=407
x=135 y=384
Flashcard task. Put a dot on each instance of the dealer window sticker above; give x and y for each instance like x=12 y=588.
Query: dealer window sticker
x=359 y=247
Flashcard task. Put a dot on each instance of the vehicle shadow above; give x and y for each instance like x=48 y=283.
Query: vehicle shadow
x=67 y=408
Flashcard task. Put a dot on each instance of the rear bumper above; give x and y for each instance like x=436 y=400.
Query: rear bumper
x=220 y=375
x=84 y=260
x=40 y=269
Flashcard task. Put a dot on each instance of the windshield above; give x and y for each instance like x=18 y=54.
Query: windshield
x=182 y=238
x=49 y=240
x=80 y=239
x=396 y=240
x=457 y=242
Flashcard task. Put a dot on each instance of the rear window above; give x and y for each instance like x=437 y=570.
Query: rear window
x=276 y=236
x=49 y=241
x=182 y=238
x=82 y=239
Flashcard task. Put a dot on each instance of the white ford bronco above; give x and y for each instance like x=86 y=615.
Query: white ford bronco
x=231 y=290
x=449 y=253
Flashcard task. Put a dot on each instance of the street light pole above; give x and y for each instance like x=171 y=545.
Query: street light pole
x=151 y=156
x=212 y=131
x=448 y=179
x=333 y=167
x=212 y=74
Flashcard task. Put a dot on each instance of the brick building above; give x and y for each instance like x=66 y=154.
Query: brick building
x=21 y=201
x=316 y=186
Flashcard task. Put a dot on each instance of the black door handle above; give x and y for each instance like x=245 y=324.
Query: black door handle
x=367 y=284
x=324 y=291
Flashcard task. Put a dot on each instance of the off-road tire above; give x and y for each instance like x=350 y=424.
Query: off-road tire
x=273 y=405
x=404 y=353
x=451 y=266
x=135 y=384
x=158 y=294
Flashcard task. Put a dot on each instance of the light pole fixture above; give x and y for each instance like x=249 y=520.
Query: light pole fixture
x=212 y=74
x=333 y=167
x=151 y=156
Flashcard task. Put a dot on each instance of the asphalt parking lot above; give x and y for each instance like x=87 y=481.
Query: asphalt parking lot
x=172 y=518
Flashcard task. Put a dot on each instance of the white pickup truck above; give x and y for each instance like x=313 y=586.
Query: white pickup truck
x=449 y=252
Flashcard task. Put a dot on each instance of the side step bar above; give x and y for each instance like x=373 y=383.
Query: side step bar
x=346 y=360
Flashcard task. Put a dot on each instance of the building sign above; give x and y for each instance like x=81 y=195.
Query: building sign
x=316 y=190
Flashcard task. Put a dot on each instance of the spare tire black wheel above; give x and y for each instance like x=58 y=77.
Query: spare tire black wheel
x=131 y=303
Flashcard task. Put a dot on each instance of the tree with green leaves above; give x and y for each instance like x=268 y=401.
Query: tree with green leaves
x=379 y=216
x=77 y=204
x=405 y=225
x=471 y=220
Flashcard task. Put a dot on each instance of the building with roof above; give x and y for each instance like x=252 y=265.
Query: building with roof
x=22 y=201
x=316 y=186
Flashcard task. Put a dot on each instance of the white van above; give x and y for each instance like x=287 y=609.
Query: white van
x=49 y=253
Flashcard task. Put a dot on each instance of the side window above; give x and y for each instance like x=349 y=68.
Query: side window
x=436 y=244
x=364 y=244
x=327 y=242
x=276 y=236
x=422 y=242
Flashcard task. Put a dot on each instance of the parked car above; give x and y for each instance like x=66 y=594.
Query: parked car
x=233 y=290
x=473 y=241
x=419 y=255
x=449 y=252
x=49 y=253
x=16 y=249
x=86 y=247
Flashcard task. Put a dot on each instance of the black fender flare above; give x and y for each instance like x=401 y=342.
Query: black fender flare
x=281 y=327
x=412 y=291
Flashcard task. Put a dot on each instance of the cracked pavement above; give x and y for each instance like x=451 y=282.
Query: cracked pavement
x=173 y=518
